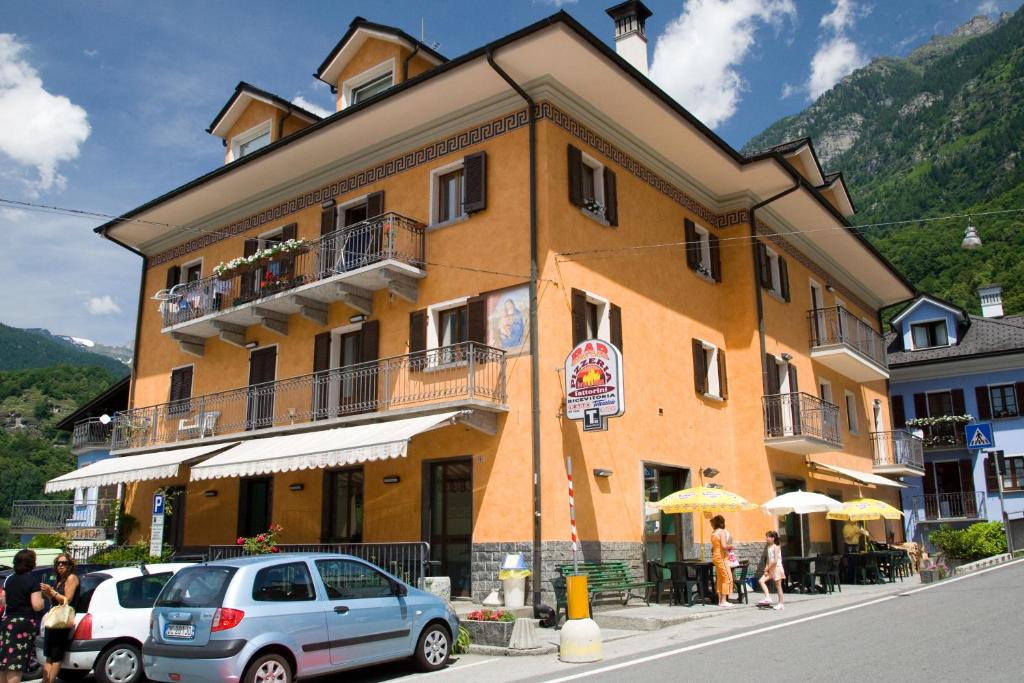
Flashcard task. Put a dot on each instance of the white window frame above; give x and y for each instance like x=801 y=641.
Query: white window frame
x=712 y=380
x=185 y=267
x=265 y=128
x=704 y=237
x=825 y=391
x=371 y=74
x=436 y=360
x=604 y=306
x=929 y=321
x=852 y=414
x=1016 y=400
x=435 y=178
x=599 y=195
x=774 y=273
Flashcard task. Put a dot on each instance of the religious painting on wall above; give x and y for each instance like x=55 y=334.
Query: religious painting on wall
x=508 y=320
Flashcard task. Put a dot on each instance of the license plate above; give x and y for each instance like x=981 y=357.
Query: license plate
x=179 y=631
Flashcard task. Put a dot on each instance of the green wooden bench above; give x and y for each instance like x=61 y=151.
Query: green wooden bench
x=609 y=577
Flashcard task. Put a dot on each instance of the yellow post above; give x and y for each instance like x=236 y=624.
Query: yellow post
x=576 y=596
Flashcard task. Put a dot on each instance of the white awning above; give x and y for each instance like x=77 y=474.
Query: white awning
x=862 y=477
x=320 y=449
x=143 y=467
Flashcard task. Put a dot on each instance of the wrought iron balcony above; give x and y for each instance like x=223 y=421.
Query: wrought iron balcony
x=92 y=520
x=349 y=264
x=801 y=423
x=940 y=507
x=942 y=435
x=466 y=375
x=91 y=434
x=846 y=344
x=898 y=452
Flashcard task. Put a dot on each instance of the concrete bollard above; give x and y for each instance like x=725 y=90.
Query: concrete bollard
x=524 y=635
x=580 y=641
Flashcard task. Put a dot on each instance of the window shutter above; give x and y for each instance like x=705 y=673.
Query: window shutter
x=700 y=372
x=173 y=276
x=375 y=204
x=289 y=232
x=794 y=386
x=784 y=278
x=579 y=316
x=991 y=483
x=716 y=259
x=369 y=334
x=692 y=244
x=475 y=172
x=773 y=374
x=575 y=176
x=611 y=199
x=418 y=331
x=959 y=406
x=615 y=325
x=764 y=267
x=920 y=405
x=321 y=363
x=929 y=481
x=476 y=320
x=248 y=280
x=181 y=391
x=1019 y=391
x=328 y=219
x=899 y=413
x=723 y=383
x=966 y=480
x=984 y=404
x=366 y=382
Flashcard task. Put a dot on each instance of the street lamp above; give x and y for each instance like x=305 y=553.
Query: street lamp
x=971 y=239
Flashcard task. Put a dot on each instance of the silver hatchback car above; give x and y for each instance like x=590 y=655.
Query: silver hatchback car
x=282 y=617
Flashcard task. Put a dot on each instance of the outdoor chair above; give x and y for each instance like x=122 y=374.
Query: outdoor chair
x=868 y=569
x=739 y=579
x=561 y=601
x=900 y=562
x=656 y=574
x=685 y=583
x=820 y=573
x=835 y=571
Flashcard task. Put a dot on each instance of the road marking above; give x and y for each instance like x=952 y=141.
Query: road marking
x=458 y=667
x=774 y=627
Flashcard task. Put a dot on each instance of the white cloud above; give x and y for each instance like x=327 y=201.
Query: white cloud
x=312 y=107
x=988 y=7
x=837 y=55
x=556 y=3
x=90 y=53
x=788 y=90
x=38 y=129
x=102 y=305
x=697 y=58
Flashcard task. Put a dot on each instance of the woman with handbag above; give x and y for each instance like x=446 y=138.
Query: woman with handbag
x=57 y=638
x=721 y=550
x=21 y=600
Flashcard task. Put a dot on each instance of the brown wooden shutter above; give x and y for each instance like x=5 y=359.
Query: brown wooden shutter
x=575 y=176
x=181 y=383
x=794 y=386
x=700 y=371
x=248 y=280
x=723 y=383
x=611 y=198
x=173 y=276
x=418 y=331
x=369 y=351
x=579 y=316
x=981 y=395
x=966 y=479
x=1019 y=391
x=764 y=266
x=716 y=258
x=929 y=479
x=328 y=219
x=991 y=483
x=959 y=405
x=321 y=385
x=692 y=244
x=322 y=352
x=476 y=320
x=784 y=278
x=475 y=172
x=773 y=374
x=920 y=406
x=375 y=204
x=899 y=413
x=289 y=232
x=615 y=325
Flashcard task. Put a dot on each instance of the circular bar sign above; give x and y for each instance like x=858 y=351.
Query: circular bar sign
x=593 y=380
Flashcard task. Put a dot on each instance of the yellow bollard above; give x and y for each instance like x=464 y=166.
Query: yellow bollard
x=576 y=596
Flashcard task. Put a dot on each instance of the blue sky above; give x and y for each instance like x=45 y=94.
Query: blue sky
x=104 y=104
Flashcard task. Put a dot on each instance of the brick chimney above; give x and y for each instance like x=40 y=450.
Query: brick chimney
x=991 y=301
x=630 y=36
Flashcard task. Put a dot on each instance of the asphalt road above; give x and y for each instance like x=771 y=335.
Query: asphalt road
x=968 y=629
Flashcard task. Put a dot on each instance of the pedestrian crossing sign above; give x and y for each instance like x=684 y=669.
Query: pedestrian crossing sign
x=979 y=436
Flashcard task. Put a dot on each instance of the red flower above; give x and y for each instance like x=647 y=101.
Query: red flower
x=240 y=541
x=261 y=538
x=274 y=549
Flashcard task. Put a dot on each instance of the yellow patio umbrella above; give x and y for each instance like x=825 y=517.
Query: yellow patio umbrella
x=701 y=499
x=863 y=509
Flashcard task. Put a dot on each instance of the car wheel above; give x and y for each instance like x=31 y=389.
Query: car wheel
x=121 y=663
x=433 y=648
x=269 y=669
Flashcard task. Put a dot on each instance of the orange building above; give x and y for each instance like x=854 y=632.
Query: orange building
x=355 y=328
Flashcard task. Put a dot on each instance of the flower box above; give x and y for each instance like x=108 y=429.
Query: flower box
x=494 y=633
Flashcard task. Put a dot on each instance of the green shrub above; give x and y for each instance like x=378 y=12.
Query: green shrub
x=130 y=554
x=461 y=645
x=58 y=541
x=976 y=542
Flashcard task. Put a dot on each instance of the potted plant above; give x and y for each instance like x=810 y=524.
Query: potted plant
x=490 y=627
x=934 y=570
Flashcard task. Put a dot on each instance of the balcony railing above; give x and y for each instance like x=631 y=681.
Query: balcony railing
x=91 y=433
x=897 y=449
x=960 y=505
x=800 y=415
x=389 y=236
x=837 y=326
x=943 y=435
x=89 y=520
x=463 y=372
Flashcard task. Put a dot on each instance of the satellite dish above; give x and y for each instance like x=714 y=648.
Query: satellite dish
x=104 y=419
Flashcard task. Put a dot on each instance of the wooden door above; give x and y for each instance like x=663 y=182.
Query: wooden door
x=262 y=372
x=451 y=521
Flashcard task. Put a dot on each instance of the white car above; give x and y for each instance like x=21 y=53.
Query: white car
x=113 y=622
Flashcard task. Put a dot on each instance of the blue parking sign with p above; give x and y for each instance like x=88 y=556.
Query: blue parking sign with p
x=979 y=436
x=158 y=504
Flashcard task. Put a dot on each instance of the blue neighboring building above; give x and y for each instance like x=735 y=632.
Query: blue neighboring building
x=949 y=368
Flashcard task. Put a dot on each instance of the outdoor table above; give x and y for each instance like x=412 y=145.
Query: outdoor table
x=803 y=572
x=706 y=576
x=855 y=560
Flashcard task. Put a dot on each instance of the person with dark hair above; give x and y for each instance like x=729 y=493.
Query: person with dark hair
x=773 y=571
x=22 y=599
x=64 y=592
x=721 y=546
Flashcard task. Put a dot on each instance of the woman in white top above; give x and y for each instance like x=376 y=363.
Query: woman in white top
x=773 y=571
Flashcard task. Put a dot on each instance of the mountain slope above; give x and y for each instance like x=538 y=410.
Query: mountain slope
x=39 y=349
x=938 y=133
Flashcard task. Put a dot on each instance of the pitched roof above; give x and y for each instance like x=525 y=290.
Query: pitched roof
x=114 y=398
x=229 y=113
x=328 y=65
x=984 y=337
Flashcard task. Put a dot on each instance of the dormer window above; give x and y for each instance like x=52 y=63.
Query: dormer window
x=369 y=83
x=251 y=140
x=929 y=334
x=374 y=87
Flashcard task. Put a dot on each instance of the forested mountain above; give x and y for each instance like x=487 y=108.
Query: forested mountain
x=939 y=132
x=39 y=349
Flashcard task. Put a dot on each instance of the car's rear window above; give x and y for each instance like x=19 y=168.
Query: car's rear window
x=202 y=586
x=140 y=592
x=86 y=587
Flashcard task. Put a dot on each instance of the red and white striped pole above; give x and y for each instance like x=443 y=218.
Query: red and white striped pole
x=572 y=516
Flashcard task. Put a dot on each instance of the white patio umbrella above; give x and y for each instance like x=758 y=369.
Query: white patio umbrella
x=802 y=503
